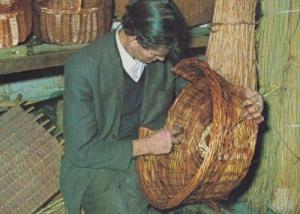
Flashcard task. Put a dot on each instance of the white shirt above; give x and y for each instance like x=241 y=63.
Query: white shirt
x=133 y=67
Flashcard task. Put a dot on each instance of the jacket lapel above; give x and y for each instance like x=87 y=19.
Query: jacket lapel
x=114 y=83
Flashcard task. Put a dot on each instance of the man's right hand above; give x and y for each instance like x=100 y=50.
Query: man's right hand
x=161 y=142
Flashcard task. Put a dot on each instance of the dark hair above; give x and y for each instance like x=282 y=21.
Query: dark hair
x=156 y=24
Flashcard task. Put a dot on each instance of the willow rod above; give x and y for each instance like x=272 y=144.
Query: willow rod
x=278 y=64
x=231 y=50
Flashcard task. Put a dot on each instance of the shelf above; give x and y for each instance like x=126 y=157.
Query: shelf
x=35 y=55
x=31 y=56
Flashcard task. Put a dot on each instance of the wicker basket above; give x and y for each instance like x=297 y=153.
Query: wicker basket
x=71 y=21
x=217 y=144
x=7 y=5
x=194 y=12
x=15 y=22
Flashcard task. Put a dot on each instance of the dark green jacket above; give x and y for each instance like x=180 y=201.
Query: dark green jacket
x=92 y=101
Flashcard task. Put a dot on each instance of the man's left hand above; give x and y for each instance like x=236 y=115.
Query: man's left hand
x=253 y=104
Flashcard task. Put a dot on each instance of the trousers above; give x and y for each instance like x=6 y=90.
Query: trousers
x=115 y=192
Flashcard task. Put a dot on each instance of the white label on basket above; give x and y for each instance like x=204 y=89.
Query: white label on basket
x=94 y=25
x=58 y=27
x=75 y=28
x=14 y=30
x=3 y=17
x=88 y=27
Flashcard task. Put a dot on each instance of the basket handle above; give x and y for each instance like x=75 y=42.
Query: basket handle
x=189 y=69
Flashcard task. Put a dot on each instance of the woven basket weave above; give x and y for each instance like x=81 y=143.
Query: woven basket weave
x=7 y=5
x=71 y=21
x=30 y=162
x=15 y=22
x=194 y=12
x=217 y=144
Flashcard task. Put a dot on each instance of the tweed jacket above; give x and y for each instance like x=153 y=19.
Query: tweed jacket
x=92 y=109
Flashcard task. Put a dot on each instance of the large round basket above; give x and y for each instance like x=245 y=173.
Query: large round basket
x=15 y=22
x=71 y=21
x=216 y=148
x=195 y=12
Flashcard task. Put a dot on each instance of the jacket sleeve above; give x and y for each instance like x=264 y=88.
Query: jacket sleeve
x=180 y=84
x=83 y=145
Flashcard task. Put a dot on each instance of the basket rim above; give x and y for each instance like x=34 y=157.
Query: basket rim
x=14 y=13
x=39 y=7
x=19 y=8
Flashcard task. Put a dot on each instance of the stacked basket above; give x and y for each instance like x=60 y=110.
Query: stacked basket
x=15 y=22
x=217 y=143
x=71 y=21
x=7 y=5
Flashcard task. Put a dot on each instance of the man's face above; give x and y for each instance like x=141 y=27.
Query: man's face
x=149 y=55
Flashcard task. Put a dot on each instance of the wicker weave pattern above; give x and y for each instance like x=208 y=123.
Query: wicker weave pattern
x=60 y=4
x=216 y=145
x=15 y=23
x=7 y=5
x=30 y=162
x=71 y=21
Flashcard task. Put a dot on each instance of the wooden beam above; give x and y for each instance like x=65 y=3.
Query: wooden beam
x=37 y=56
x=34 y=62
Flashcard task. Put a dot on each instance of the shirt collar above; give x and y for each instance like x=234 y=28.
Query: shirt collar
x=133 y=67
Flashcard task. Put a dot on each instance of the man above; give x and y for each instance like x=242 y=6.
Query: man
x=113 y=86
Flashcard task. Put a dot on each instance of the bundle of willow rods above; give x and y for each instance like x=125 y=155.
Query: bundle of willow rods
x=231 y=47
x=231 y=50
x=279 y=65
x=55 y=206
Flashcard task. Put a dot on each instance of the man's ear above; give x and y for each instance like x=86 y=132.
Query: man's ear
x=134 y=42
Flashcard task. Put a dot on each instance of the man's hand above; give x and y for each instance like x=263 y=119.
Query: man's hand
x=159 y=143
x=253 y=104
